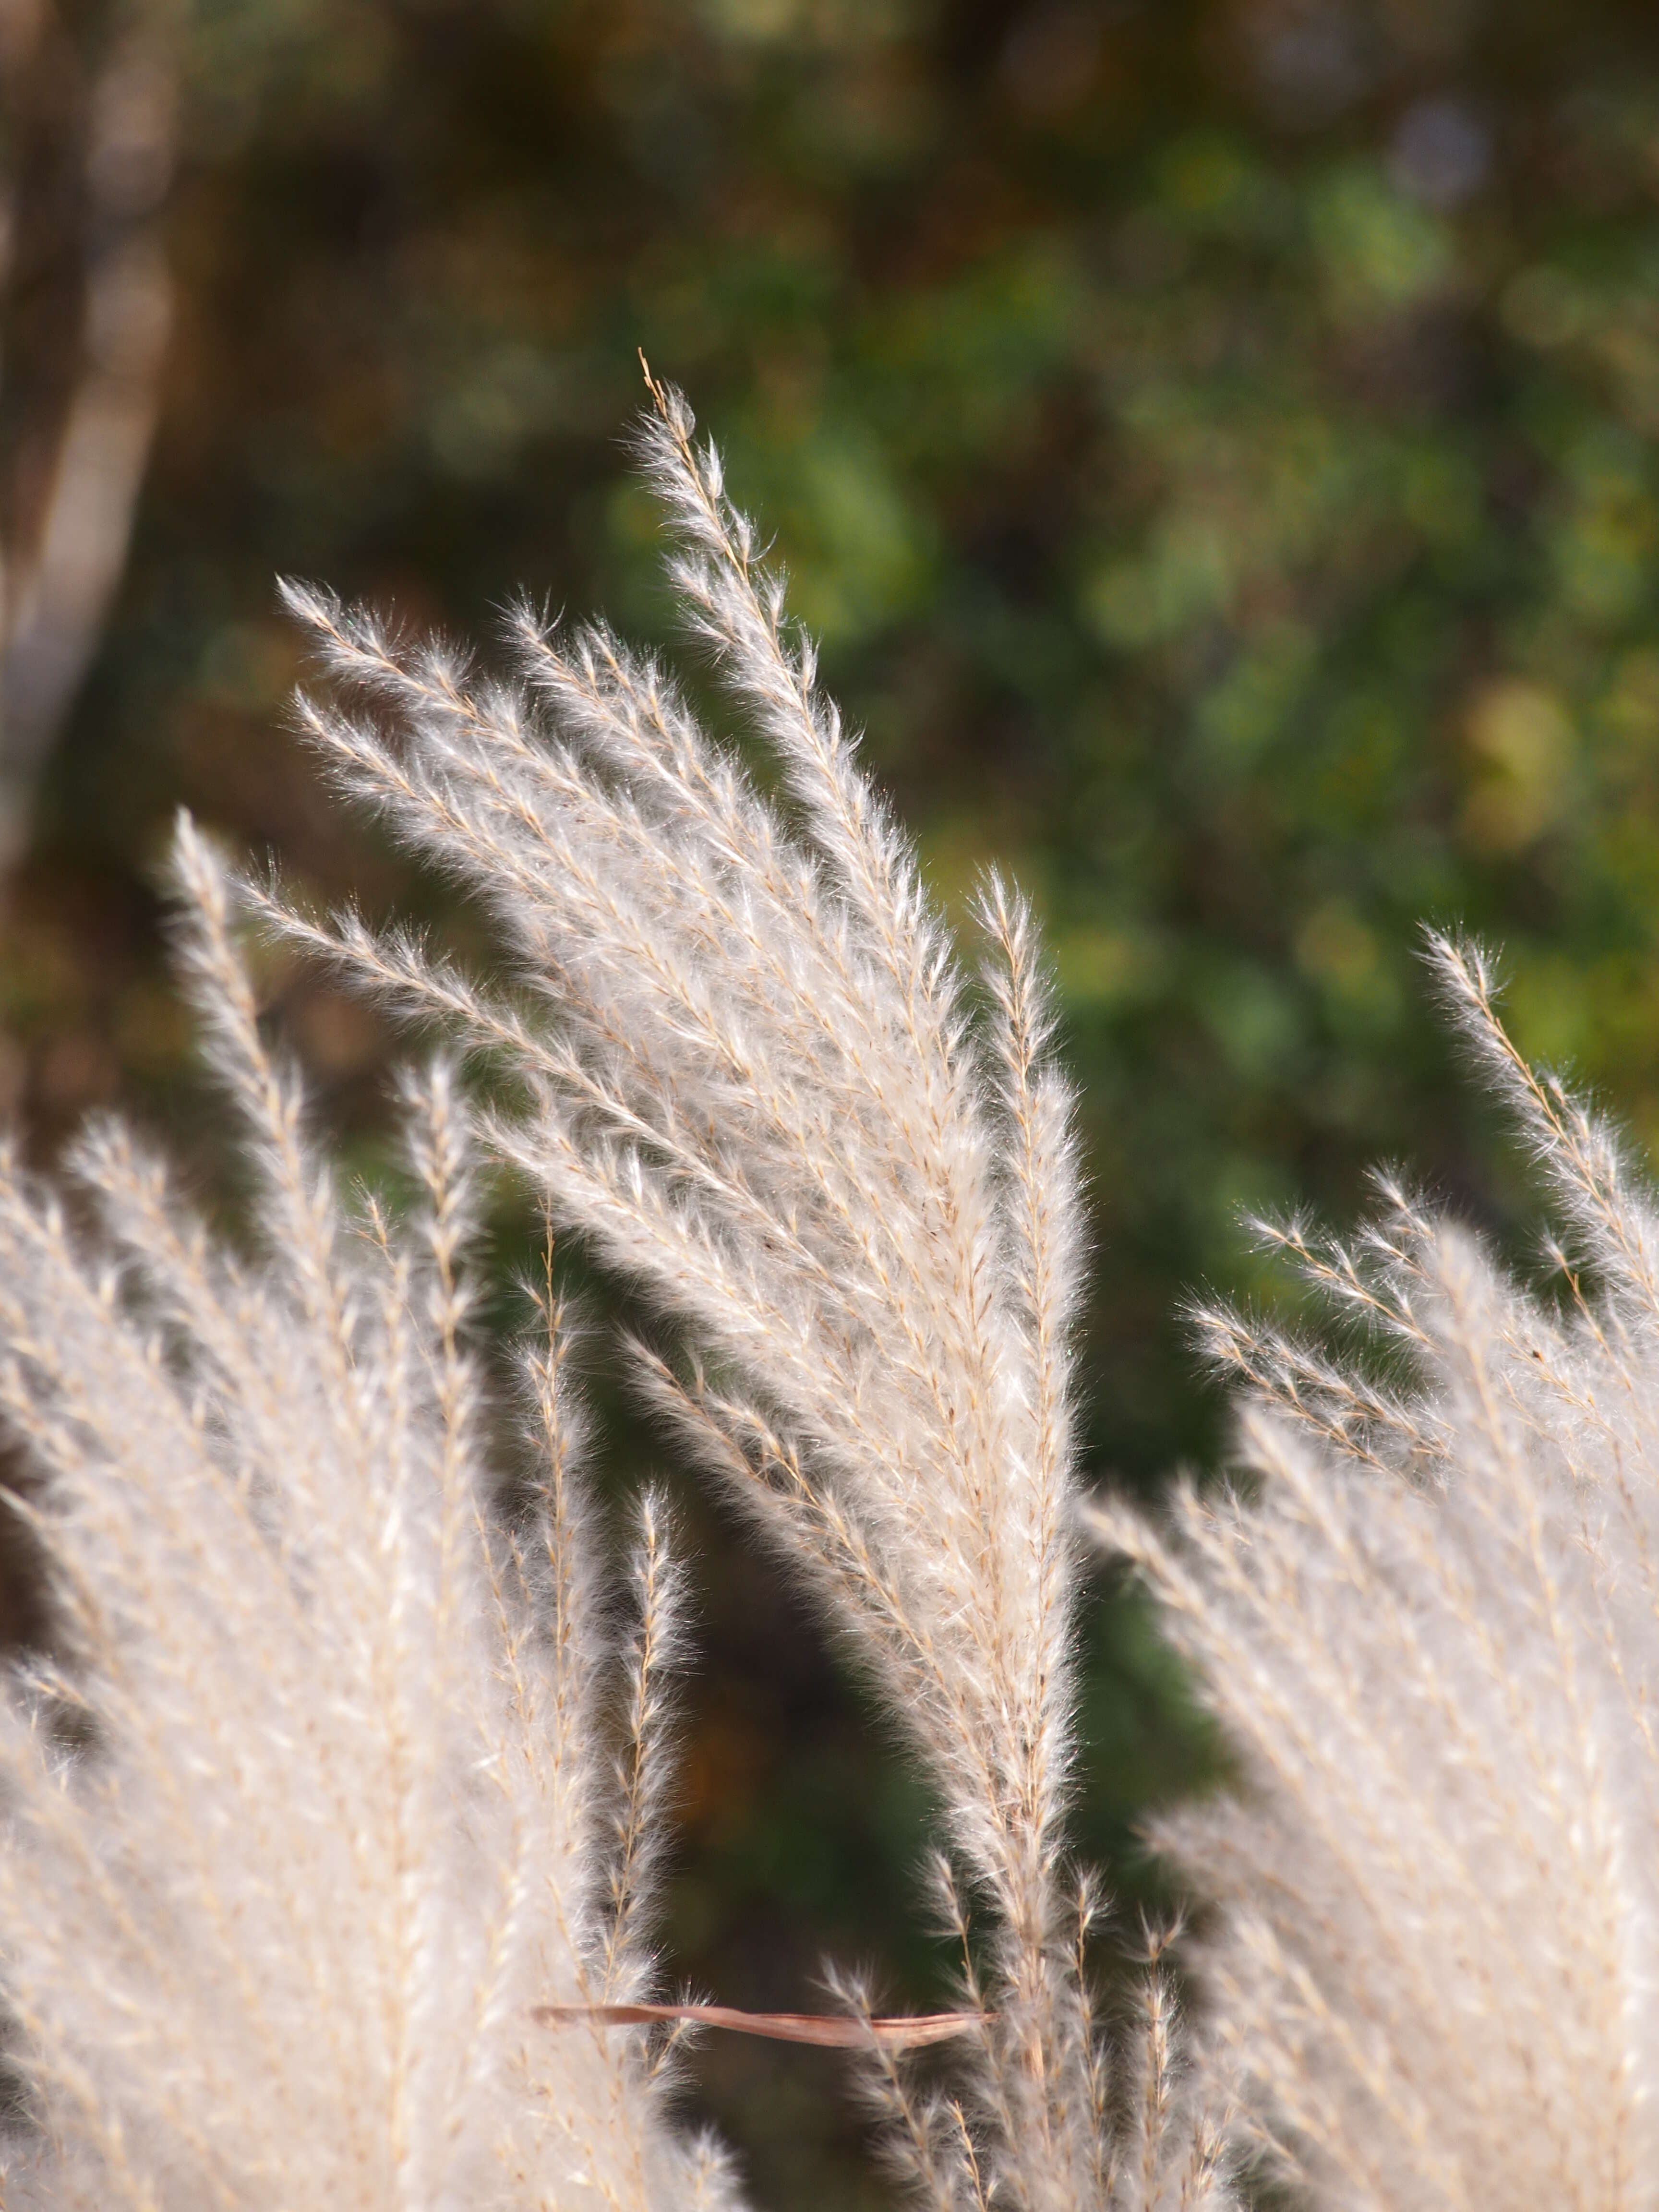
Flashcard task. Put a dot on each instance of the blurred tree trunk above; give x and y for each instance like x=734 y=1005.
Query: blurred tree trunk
x=88 y=109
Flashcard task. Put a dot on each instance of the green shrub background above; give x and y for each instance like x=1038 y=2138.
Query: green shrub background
x=1216 y=444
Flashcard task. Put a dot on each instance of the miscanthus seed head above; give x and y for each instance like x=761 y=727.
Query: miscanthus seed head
x=1428 y=1618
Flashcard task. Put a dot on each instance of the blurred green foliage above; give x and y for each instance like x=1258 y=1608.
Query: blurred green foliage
x=1215 y=442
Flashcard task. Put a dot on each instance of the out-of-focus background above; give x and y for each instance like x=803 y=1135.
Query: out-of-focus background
x=1215 y=441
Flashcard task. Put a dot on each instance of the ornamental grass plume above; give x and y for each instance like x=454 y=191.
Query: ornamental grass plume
x=320 y=1795
x=1429 y=1624
x=755 y=1081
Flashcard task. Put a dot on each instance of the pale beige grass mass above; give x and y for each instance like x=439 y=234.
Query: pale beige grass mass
x=332 y=1822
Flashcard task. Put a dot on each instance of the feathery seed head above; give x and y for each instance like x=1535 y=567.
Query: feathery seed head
x=756 y=1088
x=315 y=1806
x=1430 y=1637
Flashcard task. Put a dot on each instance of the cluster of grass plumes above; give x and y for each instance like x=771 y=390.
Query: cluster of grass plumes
x=323 y=1790
x=325 y=1859
x=1430 y=1628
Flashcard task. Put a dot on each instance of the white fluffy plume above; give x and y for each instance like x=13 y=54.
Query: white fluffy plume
x=321 y=1797
x=1430 y=1628
x=759 y=1087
